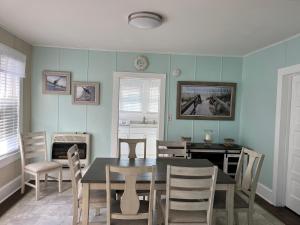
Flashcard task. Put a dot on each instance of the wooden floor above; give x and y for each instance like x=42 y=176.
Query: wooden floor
x=282 y=213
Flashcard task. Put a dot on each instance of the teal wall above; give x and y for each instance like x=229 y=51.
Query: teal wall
x=259 y=86
x=55 y=113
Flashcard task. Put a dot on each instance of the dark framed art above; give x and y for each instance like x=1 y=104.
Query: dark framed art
x=205 y=100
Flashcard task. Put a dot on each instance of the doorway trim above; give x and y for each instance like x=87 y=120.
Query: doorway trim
x=115 y=104
x=281 y=143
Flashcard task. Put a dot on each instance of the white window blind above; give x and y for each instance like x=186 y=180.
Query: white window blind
x=131 y=91
x=139 y=95
x=12 y=69
x=153 y=102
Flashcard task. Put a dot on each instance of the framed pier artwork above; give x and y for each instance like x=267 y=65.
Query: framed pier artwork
x=205 y=100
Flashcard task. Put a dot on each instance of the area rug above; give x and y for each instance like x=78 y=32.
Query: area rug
x=56 y=209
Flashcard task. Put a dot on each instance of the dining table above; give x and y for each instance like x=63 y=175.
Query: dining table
x=95 y=179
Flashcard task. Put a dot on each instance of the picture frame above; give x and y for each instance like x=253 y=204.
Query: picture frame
x=205 y=100
x=56 y=82
x=85 y=93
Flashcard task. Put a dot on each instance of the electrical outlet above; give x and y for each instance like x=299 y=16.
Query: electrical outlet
x=170 y=117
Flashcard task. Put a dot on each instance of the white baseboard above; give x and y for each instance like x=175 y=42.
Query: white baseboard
x=265 y=192
x=10 y=188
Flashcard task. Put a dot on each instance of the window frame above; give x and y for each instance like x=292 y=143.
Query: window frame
x=13 y=156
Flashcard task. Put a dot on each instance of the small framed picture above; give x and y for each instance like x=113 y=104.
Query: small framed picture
x=85 y=93
x=56 y=82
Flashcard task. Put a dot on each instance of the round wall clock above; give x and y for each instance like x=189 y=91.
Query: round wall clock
x=141 y=63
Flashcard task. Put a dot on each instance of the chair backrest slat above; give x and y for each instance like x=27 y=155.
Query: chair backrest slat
x=171 y=149
x=190 y=189
x=190 y=183
x=75 y=171
x=189 y=206
x=247 y=173
x=132 y=143
x=32 y=145
x=129 y=203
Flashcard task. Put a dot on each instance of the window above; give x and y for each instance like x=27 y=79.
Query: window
x=12 y=69
x=131 y=91
x=139 y=95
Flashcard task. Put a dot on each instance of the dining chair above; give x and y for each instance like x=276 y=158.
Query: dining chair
x=129 y=209
x=33 y=148
x=97 y=198
x=189 y=195
x=171 y=149
x=132 y=143
x=247 y=174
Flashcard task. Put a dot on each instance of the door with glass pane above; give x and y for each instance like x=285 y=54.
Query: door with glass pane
x=139 y=111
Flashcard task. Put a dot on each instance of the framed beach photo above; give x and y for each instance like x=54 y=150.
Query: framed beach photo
x=56 y=82
x=205 y=100
x=85 y=93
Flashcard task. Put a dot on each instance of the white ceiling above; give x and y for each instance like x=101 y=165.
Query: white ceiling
x=214 y=27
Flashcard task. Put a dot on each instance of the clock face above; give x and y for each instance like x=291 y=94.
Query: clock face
x=141 y=63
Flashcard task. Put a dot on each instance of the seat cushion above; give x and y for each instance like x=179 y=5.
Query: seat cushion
x=42 y=166
x=220 y=201
x=178 y=216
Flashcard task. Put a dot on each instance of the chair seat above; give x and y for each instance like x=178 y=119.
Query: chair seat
x=129 y=222
x=177 y=216
x=42 y=166
x=96 y=196
x=220 y=201
x=115 y=206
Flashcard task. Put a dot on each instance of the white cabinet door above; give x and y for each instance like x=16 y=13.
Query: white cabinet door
x=293 y=175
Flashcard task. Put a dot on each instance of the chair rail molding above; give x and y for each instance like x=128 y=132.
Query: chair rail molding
x=281 y=139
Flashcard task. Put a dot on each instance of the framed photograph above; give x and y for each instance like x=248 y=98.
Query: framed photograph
x=56 y=82
x=205 y=100
x=85 y=93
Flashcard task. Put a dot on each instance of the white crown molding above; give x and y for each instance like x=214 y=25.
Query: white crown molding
x=138 y=51
x=272 y=45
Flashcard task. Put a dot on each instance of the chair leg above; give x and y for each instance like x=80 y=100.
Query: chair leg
x=37 y=187
x=75 y=214
x=97 y=212
x=60 y=180
x=46 y=179
x=236 y=218
x=250 y=218
x=22 y=183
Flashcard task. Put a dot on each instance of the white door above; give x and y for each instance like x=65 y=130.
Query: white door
x=293 y=174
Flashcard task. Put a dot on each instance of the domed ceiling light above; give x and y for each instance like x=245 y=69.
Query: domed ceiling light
x=145 y=20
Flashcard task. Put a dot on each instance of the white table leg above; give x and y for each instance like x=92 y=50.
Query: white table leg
x=85 y=203
x=230 y=204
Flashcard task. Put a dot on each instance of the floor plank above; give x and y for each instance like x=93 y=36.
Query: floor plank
x=284 y=214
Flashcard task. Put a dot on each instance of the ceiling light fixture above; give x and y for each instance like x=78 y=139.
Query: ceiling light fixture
x=145 y=20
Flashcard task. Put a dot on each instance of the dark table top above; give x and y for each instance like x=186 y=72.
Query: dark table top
x=96 y=172
x=214 y=146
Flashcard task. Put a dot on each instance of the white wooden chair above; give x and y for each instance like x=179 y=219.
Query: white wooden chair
x=132 y=143
x=190 y=195
x=247 y=174
x=171 y=149
x=34 y=161
x=97 y=198
x=129 y=209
